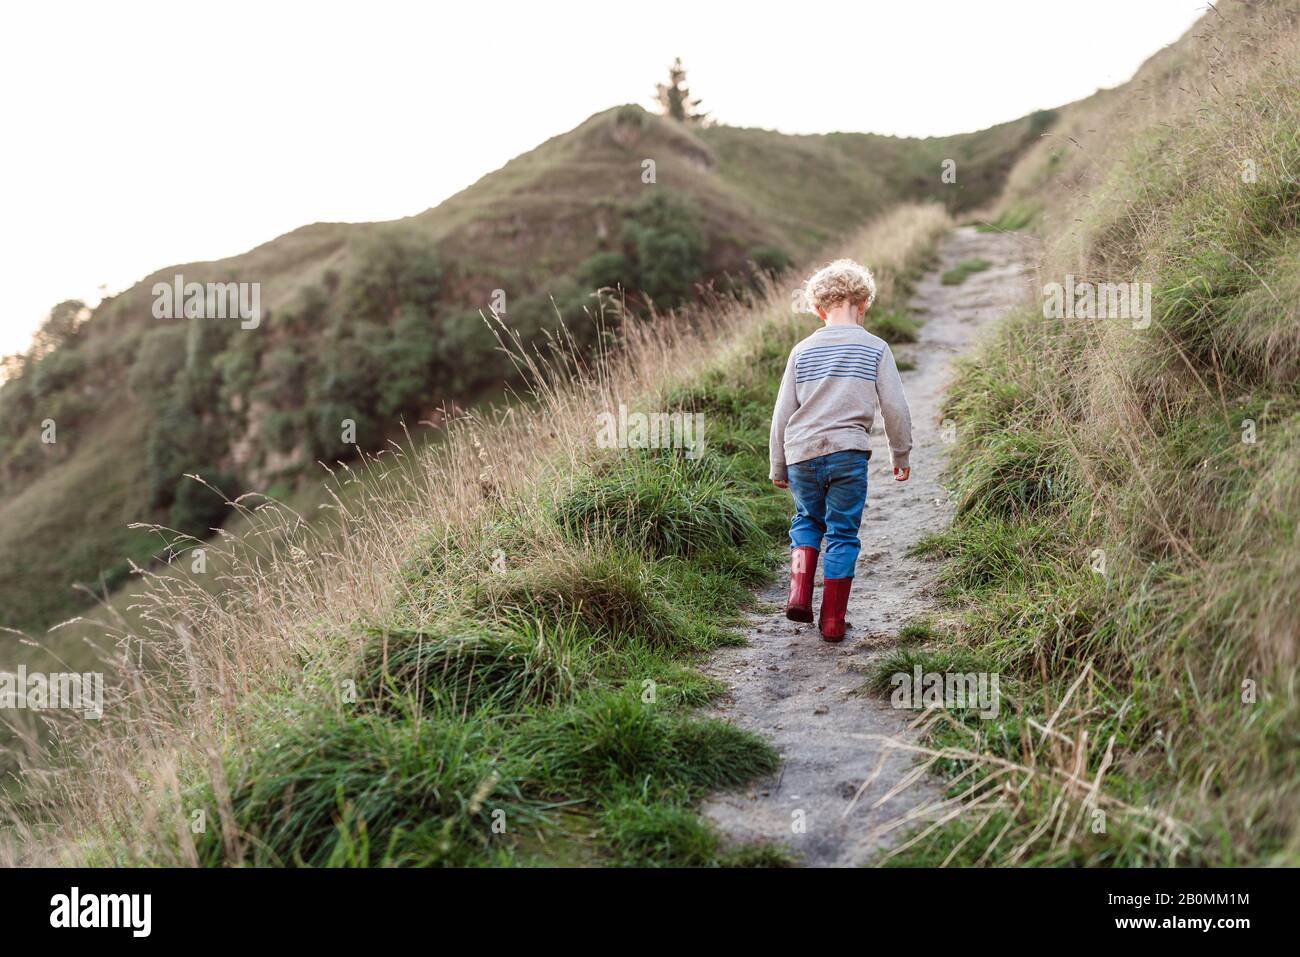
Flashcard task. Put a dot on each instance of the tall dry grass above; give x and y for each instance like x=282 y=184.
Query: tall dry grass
x=1169 y=676
x=297 y=592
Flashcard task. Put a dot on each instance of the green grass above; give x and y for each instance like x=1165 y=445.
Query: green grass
x=894 y=325
x=525 y=228
x=71 y=527
x=959 y=273
x=547 y=715
x=939 y=660
x=679 y=507
x=1015 y=217
x=544 y=711
x=917 y=630
x=858 y=174
x=1121 y=553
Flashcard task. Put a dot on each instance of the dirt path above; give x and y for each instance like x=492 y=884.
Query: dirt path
x=798 y=691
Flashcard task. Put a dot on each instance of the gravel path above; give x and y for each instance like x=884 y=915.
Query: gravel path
x=798 y=691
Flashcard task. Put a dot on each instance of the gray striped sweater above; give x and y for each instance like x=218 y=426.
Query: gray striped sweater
x=834 y=382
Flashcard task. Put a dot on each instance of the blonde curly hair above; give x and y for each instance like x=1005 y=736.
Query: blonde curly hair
x=841 y=281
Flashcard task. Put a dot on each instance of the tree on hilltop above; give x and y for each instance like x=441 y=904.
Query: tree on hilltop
x=675 y=97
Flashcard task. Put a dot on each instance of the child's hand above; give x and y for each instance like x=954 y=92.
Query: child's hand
x=781 y=483
x=900 y=475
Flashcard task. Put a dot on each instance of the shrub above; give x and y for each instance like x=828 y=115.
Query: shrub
x=393 y=268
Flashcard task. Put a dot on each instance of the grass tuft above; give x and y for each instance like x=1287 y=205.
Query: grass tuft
x=959 y=273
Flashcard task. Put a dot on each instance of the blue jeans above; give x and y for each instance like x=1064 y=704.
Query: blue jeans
x=830 y=492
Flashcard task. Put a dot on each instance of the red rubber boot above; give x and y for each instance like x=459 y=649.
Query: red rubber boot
x=803 y=565
x=835 y=601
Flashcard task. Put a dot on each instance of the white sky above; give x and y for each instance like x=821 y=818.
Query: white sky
x=140 y=135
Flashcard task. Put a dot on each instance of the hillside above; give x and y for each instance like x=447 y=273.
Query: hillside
x=1125 y=547
x=380 y=323
x=492 y=644
x=489 y=651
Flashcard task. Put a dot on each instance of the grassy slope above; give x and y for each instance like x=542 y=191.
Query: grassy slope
x=518 y=229
x=57 y=532
x=1125 y=549
x=495 y=666
x=855 y=172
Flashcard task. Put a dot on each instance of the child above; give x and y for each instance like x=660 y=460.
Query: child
x=834 y=382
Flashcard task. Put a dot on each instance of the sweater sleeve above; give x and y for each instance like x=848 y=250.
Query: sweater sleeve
x=894 y=411
x=786 y=402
